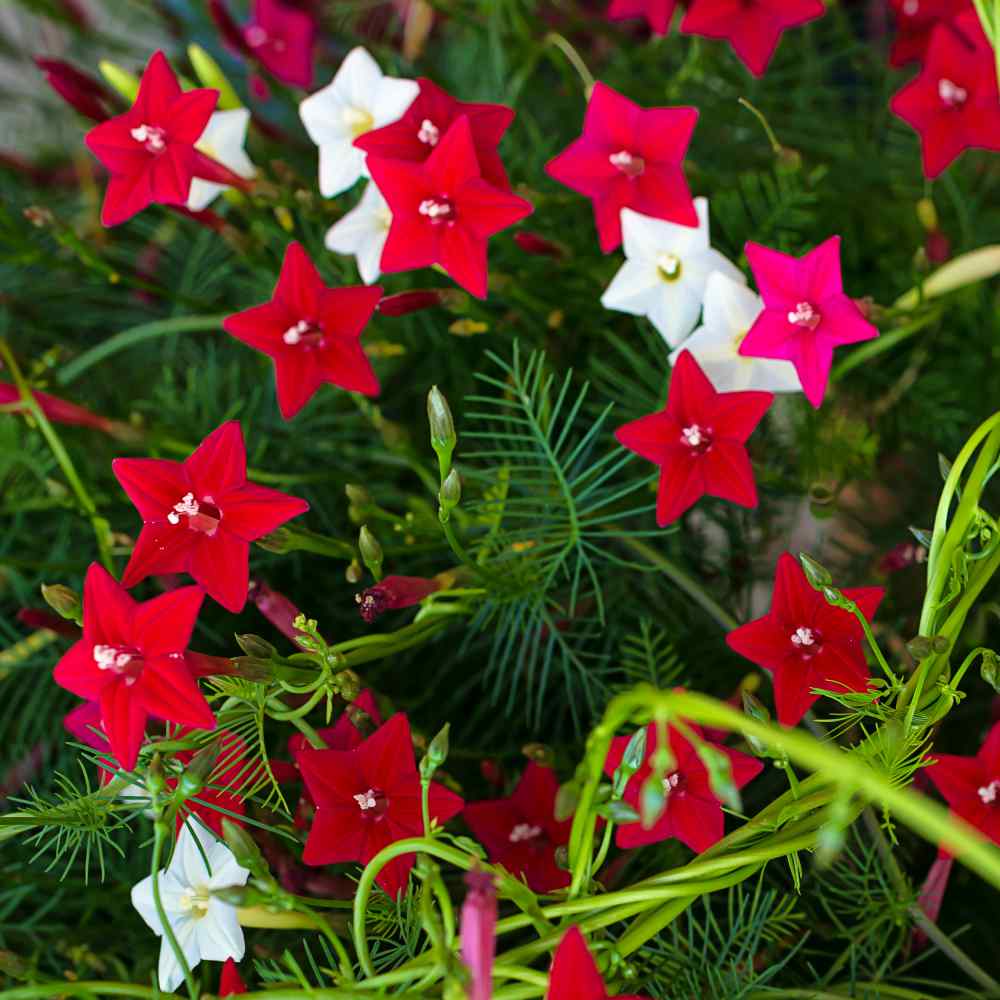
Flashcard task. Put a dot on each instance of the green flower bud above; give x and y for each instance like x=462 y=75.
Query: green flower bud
x=196 y=774
x=817 y=575
x=442 y=425
x=437 y=752
x=252 y=668
x=63 y=601
x=920 y=647
x=156 y=782
x=358 y=495
x=278 y=541
x=210 y=75
x=451 y=491
x=127 y=84
x=255 y=646
x=567 y=799
x=989 y=668
x=244 y=847
x=371 y=551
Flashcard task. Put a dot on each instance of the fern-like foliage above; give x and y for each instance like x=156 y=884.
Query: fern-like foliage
x=649 y=656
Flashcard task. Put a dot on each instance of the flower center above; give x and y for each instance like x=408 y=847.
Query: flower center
x=194 y=900
x=152 y=137
x=303 y=333
x=990 y=793
x=951 y=94
x=202 y=515
x=806 y=641
x=437 y=210
x=523 y=832
x=358 y=120
x=125 y=662
x=429 y=132
x=668 y=266
x=805 y=315
x=372 y=803
x=697 y=438
x=630 y=165
x=670 y=782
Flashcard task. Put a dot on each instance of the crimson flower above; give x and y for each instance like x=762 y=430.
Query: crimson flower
x=311 y=333
x=149 y=151
x=806 y=313
x=230 y=982
x=59 y=411
x=443 y=211
x=521 y=832
x=953 y=102
x=752 y=27
x=282 y=37
x=806 y=643
x=915 y=23
x=394 y=592
x=132 y=661
x=415 y=135
x=629 y=157
x=699 y=441
x=692 y=814
x=368 y=798
x=77 y=89
x=658 y=13
x=971 y=785
x=574 y=974
x=200 y=515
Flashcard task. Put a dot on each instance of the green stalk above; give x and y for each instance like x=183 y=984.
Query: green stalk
x=160 y=833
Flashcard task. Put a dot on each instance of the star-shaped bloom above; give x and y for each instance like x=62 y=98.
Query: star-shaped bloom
x=311 y=332
x=205 y=927
x=282 y=37
x=699 y=442
x=199 y=516
x=658 y=13
x=443 y=212
x=222 y=140
x=692 y=813
x=132 y=661
x=428 y=118
x=971 y=785
x=574 y=974
x=915 y=22
x=521 y=832
x=953 y=102
x=629 y=157
x=730 y=310
x=805 y=642
x=357 y=100
x=806 y=313
x=362 y=233
x=368 y=798
x=665 y=272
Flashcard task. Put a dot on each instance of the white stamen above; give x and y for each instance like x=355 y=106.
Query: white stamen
x=628 y=164
x=294 y=333
x=366 y=800
x=187 y=505
x=693 y=436
x=429 y=132
x=951 y=93
x=434 y=210
x=671 y=782
x=988 y=793
x=111 y=658
x=151 y=136
x=669 y=266
x=194 y=901
x=524 y=831
x=803 y=636
x=805 y=315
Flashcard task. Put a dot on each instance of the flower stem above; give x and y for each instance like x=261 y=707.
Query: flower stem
x=575 y=60
x=160 y=834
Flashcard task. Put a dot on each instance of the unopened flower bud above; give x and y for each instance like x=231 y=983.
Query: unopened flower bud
x=920 y=647
x=538 y=245
x=244 y=847
x=989 y=668
x=451 y=491
x=278 y=541
x=371 y=551
x=254 y=645
x=252 y=668
x=437 y=753
x=817 y=575
x=358 y=495
x=156 y=782
x=442 y=427
x=210 y=74
x=82 y=92
x=127 y=84
x=197 y=773
x=63 y=601
x=354 y=573
x=348 y=685
x=404 y=303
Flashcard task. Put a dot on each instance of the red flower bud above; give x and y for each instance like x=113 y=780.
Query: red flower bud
x=275 y=607
x=937 y=247
x=394 y=592
x=479 y=920
x=37 y=618
x=80 y=91
x=408 y=302
x=59 y=411
x=538 y=245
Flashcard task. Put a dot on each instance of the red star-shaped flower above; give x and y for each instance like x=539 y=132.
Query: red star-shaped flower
x=953 y=101
x=692 y=815
x=629 y=157
x=132 y=661
x=915 y=22
x=805 y=642
x=282 y=38
x=658 y=13
x=698 y=441
x=311 y=333
x=806 y=313
x=200 y=515
x=443 y=211
x=368 y=798
x=414 y=136
x=149 y=150
x=752 y=27
x=971 y=785
x=574 y=974
x=521 y=832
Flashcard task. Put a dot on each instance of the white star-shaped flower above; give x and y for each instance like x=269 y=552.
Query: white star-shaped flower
x=362 y=232
x=205 y=927
x=730 y=311
x=665 y=271
x=357 y=100
x=223 y=140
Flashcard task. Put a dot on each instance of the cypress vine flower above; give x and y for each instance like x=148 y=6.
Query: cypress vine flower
x=362 y=233
x=915 y=23
x=574 y=974
x=394 y=592
x=282 y=37
x=223 y=140
x=658 y=13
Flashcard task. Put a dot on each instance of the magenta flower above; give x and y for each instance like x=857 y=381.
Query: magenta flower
x=658 y=13
x=478 y=929
x=953 y=102
x=629 y=157
x=282 y=37
x=443 y=211
x=521 y=832
x=915 y=23
x=200 y=515
x=132 y=661
x=311 y=332
x=574 y=974
x=699 y=442
x=806 y=313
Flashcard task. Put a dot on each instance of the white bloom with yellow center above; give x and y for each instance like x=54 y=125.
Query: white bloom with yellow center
x=362 y=233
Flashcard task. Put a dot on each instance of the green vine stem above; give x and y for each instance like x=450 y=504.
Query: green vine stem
x=161 y=832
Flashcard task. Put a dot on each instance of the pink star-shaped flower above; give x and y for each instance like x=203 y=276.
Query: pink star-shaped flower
x=658 y=13
x=805 y=642
x=521 y=832
x=443 y=211
x=806 y=313
x=282 y=38
x=752 y=27
x=132 y=661
x=629 y=157
x=200 y=515
x=574 y=974
x=692 y=812
x=953 y=102
x=149 y=151
x=311 y=333
x=915 y=22
x=415 y=136
x=699 y=441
